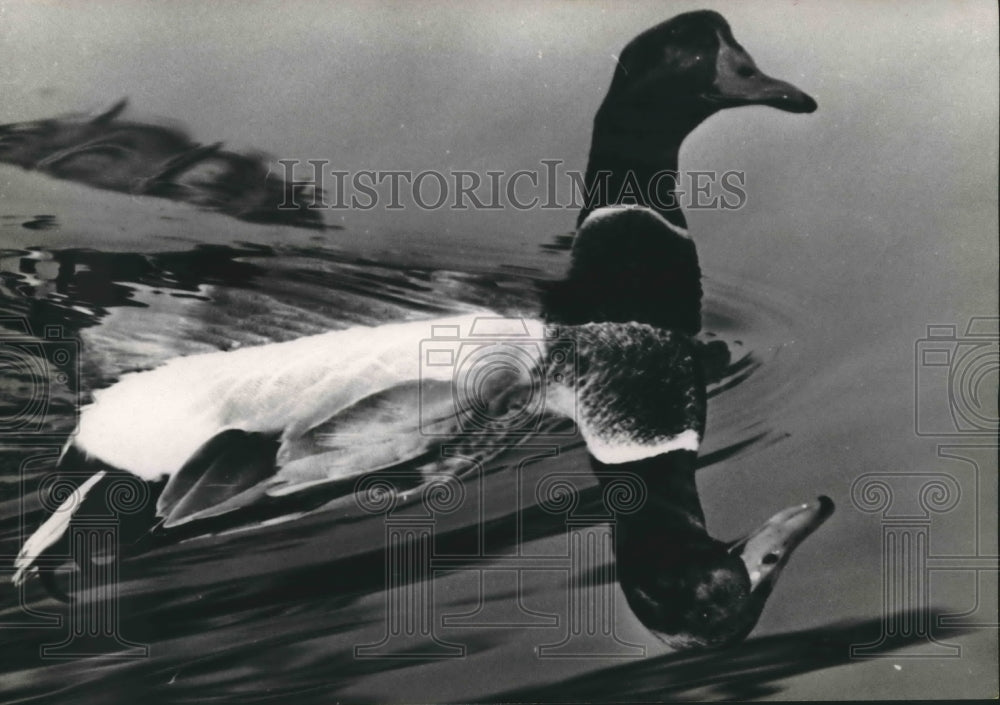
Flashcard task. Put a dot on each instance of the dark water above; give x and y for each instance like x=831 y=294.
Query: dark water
x=822 y=287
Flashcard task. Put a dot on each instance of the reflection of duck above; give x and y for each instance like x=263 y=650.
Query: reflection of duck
x=235 y=429
x=155 y=160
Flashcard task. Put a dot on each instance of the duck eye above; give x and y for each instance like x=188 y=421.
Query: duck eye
x=770 y=559
x=746 y=71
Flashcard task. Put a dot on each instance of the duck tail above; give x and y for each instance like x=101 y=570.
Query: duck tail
x=50 y=532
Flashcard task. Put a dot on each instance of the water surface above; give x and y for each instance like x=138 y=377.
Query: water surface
x=865 y=223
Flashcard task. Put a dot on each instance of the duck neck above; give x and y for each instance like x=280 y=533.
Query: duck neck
x=672 y=511
x=634 y=161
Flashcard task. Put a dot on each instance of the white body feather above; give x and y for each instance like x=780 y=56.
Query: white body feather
x=150 y=423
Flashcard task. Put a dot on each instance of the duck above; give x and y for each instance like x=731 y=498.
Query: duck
x=129 y=152
x=26 y=144
x=614 y=350
x=146 y=159
x=634 y=266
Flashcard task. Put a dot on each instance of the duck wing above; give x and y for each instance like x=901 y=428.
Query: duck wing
x=232 y=429
x=392 y=427
x=400 y=426
x=227 y=465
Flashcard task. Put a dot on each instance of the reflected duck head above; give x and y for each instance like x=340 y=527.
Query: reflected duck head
x=693 y=591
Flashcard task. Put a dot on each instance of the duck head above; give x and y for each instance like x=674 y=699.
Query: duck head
x=690 y=67
x=689 y=589
x=25 y=144
x=695 y=592
x=28 y=143
x=667 y=81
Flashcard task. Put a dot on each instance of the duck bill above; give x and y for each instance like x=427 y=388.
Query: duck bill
x=738 y=81
x=766 y=551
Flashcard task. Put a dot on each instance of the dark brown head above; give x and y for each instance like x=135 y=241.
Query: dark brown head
x=691 y=66
x=667 y=81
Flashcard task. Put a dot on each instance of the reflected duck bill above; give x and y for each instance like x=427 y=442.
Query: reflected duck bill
x=766 y=550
